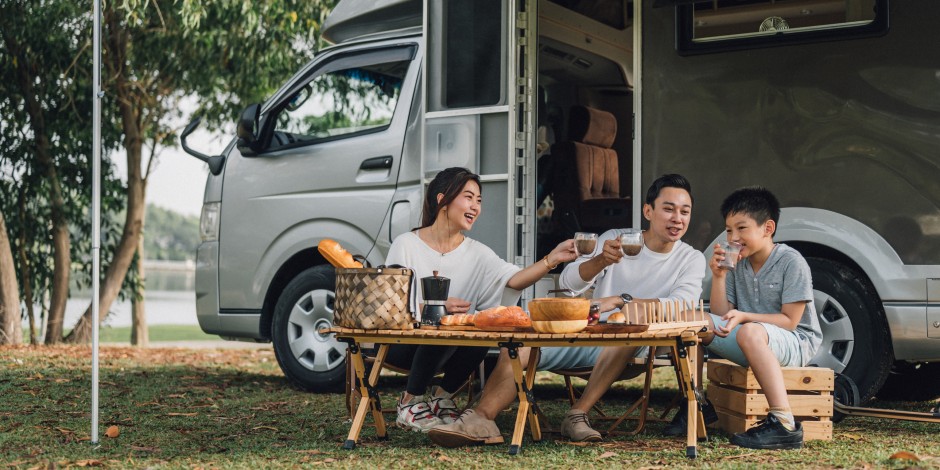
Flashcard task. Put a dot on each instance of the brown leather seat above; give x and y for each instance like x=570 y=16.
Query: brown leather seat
x=586 y=172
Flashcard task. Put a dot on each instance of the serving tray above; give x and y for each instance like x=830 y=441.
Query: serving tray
x=615 y=328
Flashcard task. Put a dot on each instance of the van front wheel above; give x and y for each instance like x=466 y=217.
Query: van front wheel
x=312 y=361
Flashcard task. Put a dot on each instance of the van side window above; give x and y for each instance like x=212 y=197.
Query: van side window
x=349 y=101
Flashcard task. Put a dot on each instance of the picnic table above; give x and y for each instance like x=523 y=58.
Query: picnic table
x=680 y=337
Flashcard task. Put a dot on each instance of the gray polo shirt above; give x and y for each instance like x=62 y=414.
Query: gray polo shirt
x=784 y=278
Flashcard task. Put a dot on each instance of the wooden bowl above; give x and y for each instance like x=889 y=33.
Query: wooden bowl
x=559 y=326
x=562 y=309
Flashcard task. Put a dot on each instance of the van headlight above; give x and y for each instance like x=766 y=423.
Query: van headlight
x=209 y=221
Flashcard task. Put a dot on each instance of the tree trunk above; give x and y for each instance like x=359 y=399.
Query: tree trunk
x=11 y=323
x=129 y=105
x=26 y=275
x=61 y=243
x=139 y=334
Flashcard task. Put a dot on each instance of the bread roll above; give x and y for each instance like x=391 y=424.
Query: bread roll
x=616 y=317
x=502 y=316
x=336 y=254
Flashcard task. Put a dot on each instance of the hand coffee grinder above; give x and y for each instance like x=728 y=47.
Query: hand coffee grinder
x=434 y=289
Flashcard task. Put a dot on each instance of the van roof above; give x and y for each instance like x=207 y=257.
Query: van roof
x=358 y=18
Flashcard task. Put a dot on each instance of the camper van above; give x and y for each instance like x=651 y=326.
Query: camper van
x=568 y=110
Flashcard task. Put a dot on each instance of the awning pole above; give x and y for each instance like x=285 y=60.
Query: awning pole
x=95 y=215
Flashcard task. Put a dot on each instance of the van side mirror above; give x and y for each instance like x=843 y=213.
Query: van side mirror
x=248 y=129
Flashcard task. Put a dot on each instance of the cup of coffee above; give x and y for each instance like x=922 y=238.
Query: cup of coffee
x=732 y=249
x=631 y=242
x=585 y=243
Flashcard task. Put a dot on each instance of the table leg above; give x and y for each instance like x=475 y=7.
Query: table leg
x=368 y=397
x=685 y=362
x=523 y=412
x=534 y=426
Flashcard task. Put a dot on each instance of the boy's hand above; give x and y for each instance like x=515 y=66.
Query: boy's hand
x=611 y=253
x=733 y=318
x=717 y=257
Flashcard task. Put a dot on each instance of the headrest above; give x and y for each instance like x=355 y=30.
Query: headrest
x=592 y=126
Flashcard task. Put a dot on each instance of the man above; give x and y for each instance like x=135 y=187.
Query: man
x=666 y=269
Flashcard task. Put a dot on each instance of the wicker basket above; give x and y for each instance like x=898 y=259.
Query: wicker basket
x=374 y=298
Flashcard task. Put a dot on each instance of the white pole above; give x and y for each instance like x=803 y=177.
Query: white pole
x=95 y=215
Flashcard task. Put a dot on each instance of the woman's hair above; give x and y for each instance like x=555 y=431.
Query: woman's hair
x=450 y=183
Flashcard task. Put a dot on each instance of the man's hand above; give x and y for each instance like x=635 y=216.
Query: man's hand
x=611 y=253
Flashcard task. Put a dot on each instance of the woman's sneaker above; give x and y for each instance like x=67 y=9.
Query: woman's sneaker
x=443 y=406
x=416 y=415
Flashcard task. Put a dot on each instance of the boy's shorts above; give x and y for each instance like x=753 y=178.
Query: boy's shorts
x=580 y=357
x=784 y=344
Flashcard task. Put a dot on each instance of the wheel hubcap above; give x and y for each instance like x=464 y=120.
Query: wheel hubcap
x=313 y=350
x=838 y=334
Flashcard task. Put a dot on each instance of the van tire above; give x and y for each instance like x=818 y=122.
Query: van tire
x=856 y=337
x=311 y=361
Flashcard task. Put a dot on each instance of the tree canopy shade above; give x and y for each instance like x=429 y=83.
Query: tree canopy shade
x=155 y=53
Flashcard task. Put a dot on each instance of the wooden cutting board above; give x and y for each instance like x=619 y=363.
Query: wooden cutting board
x=501 y=329
x=615 y=328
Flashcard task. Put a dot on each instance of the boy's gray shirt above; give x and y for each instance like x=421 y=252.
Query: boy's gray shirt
x=784 y=278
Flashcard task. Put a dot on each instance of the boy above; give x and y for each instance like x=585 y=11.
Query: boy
x=762 y=312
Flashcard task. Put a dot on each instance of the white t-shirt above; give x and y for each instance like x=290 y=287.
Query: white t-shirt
x=476 y=273
x=676 y=275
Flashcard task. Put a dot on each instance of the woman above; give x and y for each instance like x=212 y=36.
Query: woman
x=478 y=280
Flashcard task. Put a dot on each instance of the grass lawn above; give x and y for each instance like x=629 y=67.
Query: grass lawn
x=180 y=408
x=157 y=333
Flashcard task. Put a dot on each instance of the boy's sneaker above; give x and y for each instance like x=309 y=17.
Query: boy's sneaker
x=443 y=406
x=770 y=434
x=416 y=415
x=679 y=424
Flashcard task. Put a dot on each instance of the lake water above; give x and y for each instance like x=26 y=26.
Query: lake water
x=170 y=298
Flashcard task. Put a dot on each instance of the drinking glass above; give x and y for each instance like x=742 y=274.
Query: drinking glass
x=732 y=249
x=631 y=242
x=585 y=243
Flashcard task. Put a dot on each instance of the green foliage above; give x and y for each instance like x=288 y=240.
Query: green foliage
x=169 y=235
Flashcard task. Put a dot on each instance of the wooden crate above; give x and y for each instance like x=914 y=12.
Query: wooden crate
x=741 y=403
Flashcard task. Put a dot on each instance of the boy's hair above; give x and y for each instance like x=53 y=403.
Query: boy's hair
x=756 y=202
x=667 y=181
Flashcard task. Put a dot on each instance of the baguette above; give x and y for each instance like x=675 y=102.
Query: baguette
x=502 y=316
x=457 y=319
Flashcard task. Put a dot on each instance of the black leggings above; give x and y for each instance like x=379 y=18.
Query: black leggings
x=424 y=362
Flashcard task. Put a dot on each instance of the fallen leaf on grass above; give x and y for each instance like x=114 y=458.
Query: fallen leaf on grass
x=89 y=463
x=324 y=461
x=854 y=437
x=113 y=432
x=904 y=455
x=607 y=455
x=311 y=452
x=145 y=449
x=441 y=457
x=182 y=414
x=270 y=428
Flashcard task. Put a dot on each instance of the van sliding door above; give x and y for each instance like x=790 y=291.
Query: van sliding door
x=477 y=113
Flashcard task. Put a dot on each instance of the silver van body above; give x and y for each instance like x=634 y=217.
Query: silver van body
x=846 y=138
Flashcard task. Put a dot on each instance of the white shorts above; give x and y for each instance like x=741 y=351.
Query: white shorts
x=784 y=343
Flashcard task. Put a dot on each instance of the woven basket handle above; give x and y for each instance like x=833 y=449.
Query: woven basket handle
x=363 y=260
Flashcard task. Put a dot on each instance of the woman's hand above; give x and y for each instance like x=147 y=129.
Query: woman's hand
x=734 y=318
x=562 y=253
x=455 y=305
x=611 y=253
